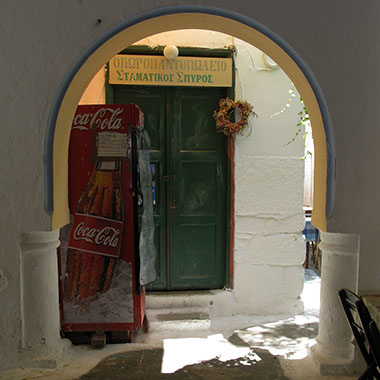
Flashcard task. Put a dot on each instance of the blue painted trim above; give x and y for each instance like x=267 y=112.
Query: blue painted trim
x=49 y=139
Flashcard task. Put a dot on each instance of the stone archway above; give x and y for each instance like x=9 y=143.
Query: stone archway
x=174 y=18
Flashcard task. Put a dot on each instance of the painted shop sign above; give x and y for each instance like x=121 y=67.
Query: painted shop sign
x=158 y=71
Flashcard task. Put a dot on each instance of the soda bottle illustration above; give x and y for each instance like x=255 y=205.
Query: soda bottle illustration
x=95 y=239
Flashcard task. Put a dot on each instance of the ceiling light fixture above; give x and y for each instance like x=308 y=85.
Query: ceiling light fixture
x=171 y=52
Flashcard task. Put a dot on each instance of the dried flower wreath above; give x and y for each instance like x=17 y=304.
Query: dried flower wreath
x=223 y=116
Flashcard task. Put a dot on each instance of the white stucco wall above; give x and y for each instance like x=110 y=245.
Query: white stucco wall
x=309 y=167
x=41 y=41
x=269 y=249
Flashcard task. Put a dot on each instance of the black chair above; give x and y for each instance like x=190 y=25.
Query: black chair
x=374 y=341
x=359 y=320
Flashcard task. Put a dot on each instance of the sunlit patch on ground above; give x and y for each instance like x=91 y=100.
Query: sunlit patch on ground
x=179 y=353
x=289 y=338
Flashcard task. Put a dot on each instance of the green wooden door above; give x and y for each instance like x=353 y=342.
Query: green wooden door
x=190 y=163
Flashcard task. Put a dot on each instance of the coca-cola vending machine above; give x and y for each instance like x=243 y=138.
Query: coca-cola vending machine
x=104 y=258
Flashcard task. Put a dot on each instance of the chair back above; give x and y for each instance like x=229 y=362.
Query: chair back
x=357 y=315
x=374 y=341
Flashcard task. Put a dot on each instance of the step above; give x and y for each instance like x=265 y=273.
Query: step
x=178 y=314
x=182 y=299
x=176 y=329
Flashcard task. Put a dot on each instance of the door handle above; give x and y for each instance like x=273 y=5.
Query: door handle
x=166 y=177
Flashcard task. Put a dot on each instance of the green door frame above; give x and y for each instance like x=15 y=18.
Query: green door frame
x=230 y=200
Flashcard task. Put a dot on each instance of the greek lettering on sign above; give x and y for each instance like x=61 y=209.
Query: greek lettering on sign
x=159 y=63
x=183 y=71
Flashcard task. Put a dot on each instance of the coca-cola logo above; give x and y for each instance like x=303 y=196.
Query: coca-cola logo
x=102 y=119
x=106 y=236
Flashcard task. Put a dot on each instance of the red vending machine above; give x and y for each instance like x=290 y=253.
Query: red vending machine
x=102 y=297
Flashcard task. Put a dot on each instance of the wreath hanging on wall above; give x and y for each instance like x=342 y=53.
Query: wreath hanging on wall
x=227 y=108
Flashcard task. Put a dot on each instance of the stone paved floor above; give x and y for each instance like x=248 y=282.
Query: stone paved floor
x=269 y=350
x=147 y=365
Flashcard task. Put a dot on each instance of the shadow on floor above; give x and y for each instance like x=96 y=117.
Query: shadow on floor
x=146 y=364
x=286 y=337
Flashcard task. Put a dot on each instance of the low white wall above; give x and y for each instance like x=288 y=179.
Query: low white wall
x=269 y=247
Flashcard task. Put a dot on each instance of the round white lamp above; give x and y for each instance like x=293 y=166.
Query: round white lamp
x=170 y=52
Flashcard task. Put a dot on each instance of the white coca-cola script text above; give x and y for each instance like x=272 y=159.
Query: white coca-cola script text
x=103 y=118
x=107 y=236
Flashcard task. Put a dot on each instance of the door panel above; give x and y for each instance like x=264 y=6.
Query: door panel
x=190 y=161
x=198 y=242
x=194 y=125
x=198 y=197
x=197 y=188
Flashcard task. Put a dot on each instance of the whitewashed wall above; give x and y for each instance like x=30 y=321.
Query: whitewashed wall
x=41 y=41
x=309 y=166
x=269 y=248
